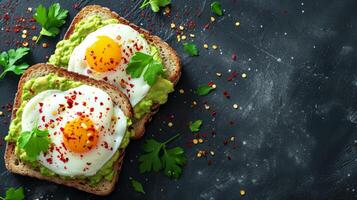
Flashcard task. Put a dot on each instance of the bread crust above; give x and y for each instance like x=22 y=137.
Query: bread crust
x=12 y=162
x=171 y=60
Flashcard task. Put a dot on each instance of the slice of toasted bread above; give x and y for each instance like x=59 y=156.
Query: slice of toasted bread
x=171 y=60
x=15 y=165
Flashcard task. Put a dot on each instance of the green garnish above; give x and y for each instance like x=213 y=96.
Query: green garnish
x=14 y=194
x=10 y=61
x=34 y=142
x=195 y=126
x=155 y=4
x=190 y=49
x=137 y=186
x=204 y=90
x=158 y=157
x=50 y=20
x=141 y=61
x=216 y=8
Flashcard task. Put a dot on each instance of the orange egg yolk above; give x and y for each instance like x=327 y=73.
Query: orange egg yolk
x=104 y=55
x=80 y=135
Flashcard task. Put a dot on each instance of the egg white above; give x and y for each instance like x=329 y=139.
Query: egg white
x=127 y=38
x=112 y=132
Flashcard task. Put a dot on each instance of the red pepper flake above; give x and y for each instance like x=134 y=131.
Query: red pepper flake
x=213 y=113
x=211 y=83
x=226 y=94
x=234 y=57
x=209 y=162
x=229 y=158
x=233 y=75
x=91 y=109
x=49 y=160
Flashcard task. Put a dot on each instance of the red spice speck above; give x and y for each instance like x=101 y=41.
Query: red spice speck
x=226 y=94
x=234 y=57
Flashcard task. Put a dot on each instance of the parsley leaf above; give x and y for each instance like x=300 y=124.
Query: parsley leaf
x=190 y=49
x=151 y=160
x=137 y=186
x=217 y=8
x=10 y=61
x=203 y=90
x=14 y=194
x=50 y=20
x=172 y=161
x=143 y=63
x=34 y=142
x=158 y=157
x=155 y=4
x=195 y=126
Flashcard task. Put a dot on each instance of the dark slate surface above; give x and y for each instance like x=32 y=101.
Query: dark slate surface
x=296 y=126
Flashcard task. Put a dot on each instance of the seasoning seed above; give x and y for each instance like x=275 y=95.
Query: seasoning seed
x=235 y=106
x=219 y=74
x=24 y=31
x=200 y=140
x=44 y=45
x=199 y=154
x=183 y=37
x=214 y=86
x=244 y=75
x=205 y=46
x=213 y=19
x=25 y=44
x=206 y=107
x=214 y=46
x=181 y=28
x=192 y=35
x=29 y=9
x=34 y=38
x=237 y=23
x=212 y=153
x=195 y=141
x=1 y=113
x=182 y=91
x=242 y=192
x=232 y=139
x=172 y=25
x=24 y=36
x=194 y=103
x=170 y=124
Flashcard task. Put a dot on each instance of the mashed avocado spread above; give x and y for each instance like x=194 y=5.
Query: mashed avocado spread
x=158 y=93
x=51 y=81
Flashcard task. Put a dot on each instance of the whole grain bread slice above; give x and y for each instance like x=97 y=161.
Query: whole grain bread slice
x=171 y=60
x=15 y=165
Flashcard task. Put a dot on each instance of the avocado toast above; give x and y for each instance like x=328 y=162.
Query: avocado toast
x=93 y=17
x=43 y=77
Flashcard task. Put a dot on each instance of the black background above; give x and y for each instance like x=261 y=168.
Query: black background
x=295 y=130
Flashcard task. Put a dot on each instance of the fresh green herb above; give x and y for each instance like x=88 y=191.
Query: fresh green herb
x=190 y=49
x=204 y=90
x=195 y=126
x=155 y=4
x=216 y=8
x=14 y=194
x=137 y=186
x=10 y=61
x=50 y=20
x=34 y=142
x=141 y=61
x=158 y=157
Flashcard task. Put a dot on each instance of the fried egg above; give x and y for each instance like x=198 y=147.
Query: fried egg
x=105 y=54
x=84 y=125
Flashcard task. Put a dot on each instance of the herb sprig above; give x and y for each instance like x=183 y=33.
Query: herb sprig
x=14 y=194
x=155 y=4
x=34 y=142
x=11 y=61
x=157 y=156
x=143 y=63
x=51 y=20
